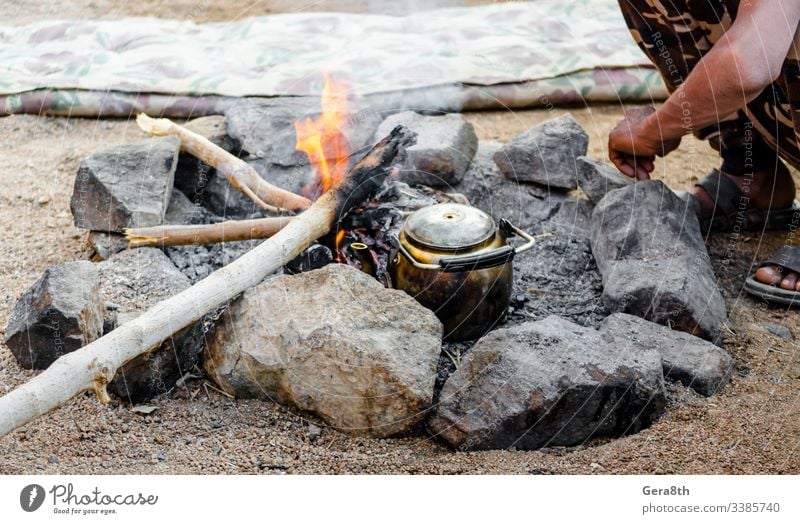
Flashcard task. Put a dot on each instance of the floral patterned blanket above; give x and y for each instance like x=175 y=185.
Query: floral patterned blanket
x=504 y=55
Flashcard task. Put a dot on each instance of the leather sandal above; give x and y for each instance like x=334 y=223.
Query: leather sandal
x=732 y=212
x=788 y=258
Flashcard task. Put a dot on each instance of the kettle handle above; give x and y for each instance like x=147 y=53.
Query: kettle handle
x=493 y=258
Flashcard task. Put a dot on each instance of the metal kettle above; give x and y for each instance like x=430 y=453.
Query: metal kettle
x=454 y=260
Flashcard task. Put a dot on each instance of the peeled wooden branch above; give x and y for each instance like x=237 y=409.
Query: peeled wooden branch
x=240 y=175
x=93 y=366
x=228 y=231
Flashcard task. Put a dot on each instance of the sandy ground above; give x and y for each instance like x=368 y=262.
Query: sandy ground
x=750 y=427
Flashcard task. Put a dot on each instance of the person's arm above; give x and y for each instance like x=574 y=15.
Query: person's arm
x=747 y=58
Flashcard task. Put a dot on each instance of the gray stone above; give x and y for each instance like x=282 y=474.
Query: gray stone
x=649 y=249
x=546 y=154
x=525 y=205
x=685 y=358
x=265 y=127
x=444 y=149
x=59 y=313
x=333 y=342
x=777 y=330
x=135 y=280
x=597 y=178
x=105 y=244
x=548 y=383
x=127 y=186
x=183 y=211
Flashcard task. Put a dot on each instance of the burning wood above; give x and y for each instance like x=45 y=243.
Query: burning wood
x=239 y=174
x=92 y=367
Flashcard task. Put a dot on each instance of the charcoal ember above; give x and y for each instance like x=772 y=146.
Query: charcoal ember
x=597 y=178
x=548 y=383
x=546 y=154
x=265 y=127
x=126 y=186
x=692 y=361
x=558 y=276
x=134 y=280
x=332 y=342
x=199 y=261
x=444 y=149
x=314 y=257
x=649 y=249
x=61 y=312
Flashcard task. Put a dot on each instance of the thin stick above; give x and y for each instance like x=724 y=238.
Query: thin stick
x=228 y=231
x=94 y=365
x=240 y=175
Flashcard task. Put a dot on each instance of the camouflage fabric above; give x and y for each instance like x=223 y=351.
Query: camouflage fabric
x=510 y=54
x=675 y=35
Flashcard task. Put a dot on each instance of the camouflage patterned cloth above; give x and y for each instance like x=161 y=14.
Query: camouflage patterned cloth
x=675 y=35
x=503 y=55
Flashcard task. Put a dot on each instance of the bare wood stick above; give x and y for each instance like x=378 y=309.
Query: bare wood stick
x=228 y=231
x=94 y=365
x=240 y=175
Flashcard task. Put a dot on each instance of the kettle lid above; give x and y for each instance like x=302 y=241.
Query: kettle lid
x=449 y=226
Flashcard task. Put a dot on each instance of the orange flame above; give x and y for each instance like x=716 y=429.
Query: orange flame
x=322 y=140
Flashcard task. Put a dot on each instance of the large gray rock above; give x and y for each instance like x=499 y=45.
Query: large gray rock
x=526 y=205
x=649 y=249
x=333 y=342
x=687 y=359
x=548 y=383
x=444 y=149
x=127 y=186
x=134 y=280
x=546 y=153
x=596 y=178
x=59 y=313
x=265 y=127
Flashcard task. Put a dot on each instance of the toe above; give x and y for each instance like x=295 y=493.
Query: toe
x=789 y=281
x=769 y=275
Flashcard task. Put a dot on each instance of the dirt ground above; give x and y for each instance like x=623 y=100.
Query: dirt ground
x=752 y=426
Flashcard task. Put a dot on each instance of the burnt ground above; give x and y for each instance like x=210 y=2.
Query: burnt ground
x=752 y=426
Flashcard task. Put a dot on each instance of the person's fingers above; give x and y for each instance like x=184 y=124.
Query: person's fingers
x=647 y=163
x=619 y=160
x=642 y=174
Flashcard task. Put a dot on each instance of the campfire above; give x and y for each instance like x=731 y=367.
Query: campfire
x=416 y=279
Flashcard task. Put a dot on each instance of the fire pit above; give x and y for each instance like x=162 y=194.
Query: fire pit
x=383 y=300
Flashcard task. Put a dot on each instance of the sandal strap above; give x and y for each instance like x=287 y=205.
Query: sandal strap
x=725 y=194
x=787 y=257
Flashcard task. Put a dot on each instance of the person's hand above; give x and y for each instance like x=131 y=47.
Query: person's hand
x=633 y=149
